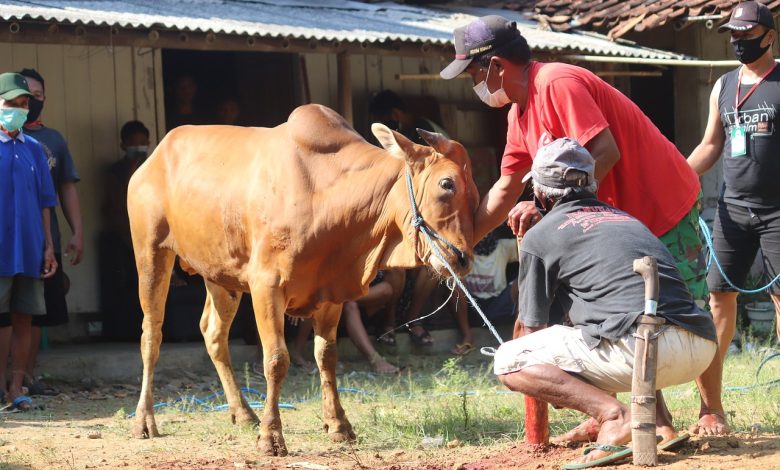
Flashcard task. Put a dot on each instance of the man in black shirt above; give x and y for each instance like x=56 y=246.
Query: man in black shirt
x=581 y=255
x=743 y=127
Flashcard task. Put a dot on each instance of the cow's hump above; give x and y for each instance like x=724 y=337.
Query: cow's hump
x=320 y=129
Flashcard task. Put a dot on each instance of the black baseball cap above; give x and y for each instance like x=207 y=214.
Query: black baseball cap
x=748 y=15
x=482 y=35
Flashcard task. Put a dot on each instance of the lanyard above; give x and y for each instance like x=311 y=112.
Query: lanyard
x=740 y=102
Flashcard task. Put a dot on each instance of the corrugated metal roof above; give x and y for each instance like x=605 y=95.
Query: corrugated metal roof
x=346 y=21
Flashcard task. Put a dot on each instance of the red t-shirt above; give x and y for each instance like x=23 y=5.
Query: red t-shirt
x=651 y=181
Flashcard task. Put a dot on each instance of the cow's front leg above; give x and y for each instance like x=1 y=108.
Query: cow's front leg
x=326 y=321
x=218 y=314
x=269 y=308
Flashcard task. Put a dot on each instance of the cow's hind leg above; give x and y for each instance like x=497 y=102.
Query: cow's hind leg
x=269 y=309
x=326 y=321
x=218 y=313
x=154 y=276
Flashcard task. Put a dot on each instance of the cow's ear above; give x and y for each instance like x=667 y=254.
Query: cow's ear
x=392 y=141
x=439 y=143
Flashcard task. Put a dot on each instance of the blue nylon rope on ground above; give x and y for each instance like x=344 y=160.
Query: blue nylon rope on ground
x=705 y=230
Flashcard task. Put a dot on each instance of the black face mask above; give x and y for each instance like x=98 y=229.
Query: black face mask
x=748 y=51
x=35 y=108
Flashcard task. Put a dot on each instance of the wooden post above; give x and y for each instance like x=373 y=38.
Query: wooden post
x=345 y=87
x=643 y=391
x=537 y=419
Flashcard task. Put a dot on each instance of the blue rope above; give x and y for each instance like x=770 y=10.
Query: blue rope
x=758 y=371
x=705 y=230
x=190 y=403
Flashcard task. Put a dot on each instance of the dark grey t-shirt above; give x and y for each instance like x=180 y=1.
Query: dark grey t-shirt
x=581 y=254
x=63 y=170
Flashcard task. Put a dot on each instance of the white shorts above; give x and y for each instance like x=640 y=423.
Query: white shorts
x=682 y=356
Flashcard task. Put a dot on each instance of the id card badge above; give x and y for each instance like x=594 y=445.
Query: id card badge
x=738 y=141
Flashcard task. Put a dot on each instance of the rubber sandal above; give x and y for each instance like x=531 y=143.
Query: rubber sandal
x=423 y=339
x=675 y=444
x=22 y=400
x=387 y=338
x=462 y=349
x=618 y=453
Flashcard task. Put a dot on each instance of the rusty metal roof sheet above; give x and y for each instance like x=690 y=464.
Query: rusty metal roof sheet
x=342 y=20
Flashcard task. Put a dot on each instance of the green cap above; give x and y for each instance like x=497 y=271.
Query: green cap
x=13 y=85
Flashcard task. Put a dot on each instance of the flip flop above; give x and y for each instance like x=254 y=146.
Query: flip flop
x=21 y=400
x=40 y=388
x=618 y=453
x=462 y=349
x=423 y=339
x=675 y=444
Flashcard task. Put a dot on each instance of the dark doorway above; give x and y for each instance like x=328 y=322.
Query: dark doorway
x=244 y=88
x=655 y=97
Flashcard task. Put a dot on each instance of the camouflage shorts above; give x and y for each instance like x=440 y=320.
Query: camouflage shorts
x=685 y=243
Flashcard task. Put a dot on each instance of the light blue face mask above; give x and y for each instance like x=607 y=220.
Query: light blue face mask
x=12 y=119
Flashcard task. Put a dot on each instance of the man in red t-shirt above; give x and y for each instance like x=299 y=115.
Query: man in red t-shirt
x=638 y=169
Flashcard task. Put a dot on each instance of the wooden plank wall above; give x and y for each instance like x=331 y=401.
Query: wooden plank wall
x=371 y=74
x=90 y=92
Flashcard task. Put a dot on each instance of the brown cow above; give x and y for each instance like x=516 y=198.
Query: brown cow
x=301 y=216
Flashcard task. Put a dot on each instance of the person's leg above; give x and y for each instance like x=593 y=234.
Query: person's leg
x=297 y=352
x=551 y=384
x=357 y=333
x=54 y=291
x=20 y=350
x=424 y=285
x=32 y=357
x=735 y=247
x=461 y=315
x=5 y=351
x=776 y=301
x=396 y=278
x=769 y=233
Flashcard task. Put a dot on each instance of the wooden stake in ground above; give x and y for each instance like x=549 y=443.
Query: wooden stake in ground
x=537 y=427
x=643 y=399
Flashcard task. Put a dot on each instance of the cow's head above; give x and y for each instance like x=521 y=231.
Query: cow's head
x=445 y=192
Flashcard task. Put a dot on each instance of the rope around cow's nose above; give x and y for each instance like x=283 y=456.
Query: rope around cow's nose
x=420 y=225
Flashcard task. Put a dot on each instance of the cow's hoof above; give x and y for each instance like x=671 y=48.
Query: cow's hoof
x=342 y=432
x=272 y=444
x=244 y=417
x=145 y=428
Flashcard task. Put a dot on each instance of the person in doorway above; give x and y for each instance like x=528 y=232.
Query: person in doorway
x=228 y=112
x=487 y=282
x=383 y=295
x=185 y=107
x=26 y=247
x=391 y=110
x=65 y=176
x=743 y=127
x=581 y=254
x=638 y=169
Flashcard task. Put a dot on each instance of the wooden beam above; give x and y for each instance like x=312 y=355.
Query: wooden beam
x=345 y=87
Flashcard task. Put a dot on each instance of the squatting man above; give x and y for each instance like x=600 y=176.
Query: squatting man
x=580 y=255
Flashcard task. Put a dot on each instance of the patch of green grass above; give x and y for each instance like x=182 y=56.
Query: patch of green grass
x=454 y=399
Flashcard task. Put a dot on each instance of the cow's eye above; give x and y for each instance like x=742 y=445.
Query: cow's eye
x=447 y=183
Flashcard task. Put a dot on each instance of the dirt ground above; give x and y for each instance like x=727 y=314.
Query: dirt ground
x=83 y=429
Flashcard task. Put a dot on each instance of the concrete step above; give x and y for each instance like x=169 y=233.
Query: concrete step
x=122 y=361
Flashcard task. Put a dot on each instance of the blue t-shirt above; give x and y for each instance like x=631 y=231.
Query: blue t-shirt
x=26 y=189
x=61 y=165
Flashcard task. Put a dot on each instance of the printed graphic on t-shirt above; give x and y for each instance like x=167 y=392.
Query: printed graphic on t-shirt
x=589 y=217
x=479 y=283
x=759 y=119
x=52 y=161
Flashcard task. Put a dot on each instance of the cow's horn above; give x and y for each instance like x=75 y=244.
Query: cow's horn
x=440 y=143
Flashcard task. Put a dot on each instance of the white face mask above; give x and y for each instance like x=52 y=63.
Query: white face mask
x=497 y=99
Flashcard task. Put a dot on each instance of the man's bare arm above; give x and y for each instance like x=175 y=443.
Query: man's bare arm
x=605 y=151
x=709 y=149
x=496 y=204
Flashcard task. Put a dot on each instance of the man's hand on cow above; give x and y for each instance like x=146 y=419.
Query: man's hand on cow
x=49 y=263
x=522 y=217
